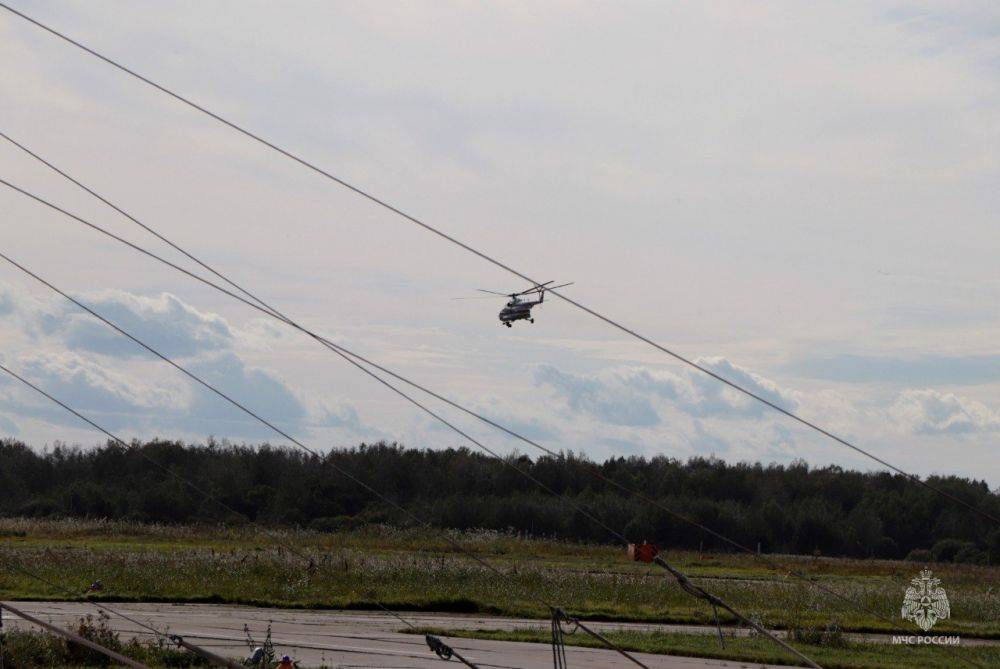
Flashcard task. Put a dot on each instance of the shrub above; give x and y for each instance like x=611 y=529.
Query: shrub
x=38 y=650
x=919 y=555
x=832 y=635
x=99 y=631
x=969 y=554
x=946 y=549
x=334 y=524
x=30 y=650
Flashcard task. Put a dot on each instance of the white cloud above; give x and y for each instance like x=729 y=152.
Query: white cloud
x=598 y=398
x=625 y=397
x=255 y=388
x=115 y=399
x=932 y=412
x=710 y=397
x=343 y=415
x=105 y=376
x=164 y=322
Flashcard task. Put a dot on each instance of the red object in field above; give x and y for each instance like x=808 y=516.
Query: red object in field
x=644 y=552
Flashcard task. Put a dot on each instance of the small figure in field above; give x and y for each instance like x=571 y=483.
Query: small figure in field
x=286 y=663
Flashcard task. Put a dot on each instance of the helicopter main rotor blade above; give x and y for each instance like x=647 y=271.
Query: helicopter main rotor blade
x=545 y=286
x=477 y=297
x=534 y=289
x=493 y=292
x=541 y=285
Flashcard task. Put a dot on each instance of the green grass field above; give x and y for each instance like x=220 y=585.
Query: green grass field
x=418 y=570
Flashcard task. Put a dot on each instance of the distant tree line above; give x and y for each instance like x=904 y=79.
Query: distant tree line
x=787 y=509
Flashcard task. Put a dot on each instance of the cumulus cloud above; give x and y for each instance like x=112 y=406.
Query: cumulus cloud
x=598 y=398
x=257 y=389
x=86 y=385
x=660 y=383
x=165 y=322
x=931 y=412
x=113 y=398
x=103 y=376
x=623 y=397
x=343 y=415
x=135 y=400
x=713 y=398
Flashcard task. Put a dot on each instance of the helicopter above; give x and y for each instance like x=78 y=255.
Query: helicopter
x=518 y=309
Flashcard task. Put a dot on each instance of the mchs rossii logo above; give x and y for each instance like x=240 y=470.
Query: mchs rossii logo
x=926 y=603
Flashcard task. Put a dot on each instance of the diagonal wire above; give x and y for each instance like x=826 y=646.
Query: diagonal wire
x=453 y=240
x=271 y=311
x=405 y=512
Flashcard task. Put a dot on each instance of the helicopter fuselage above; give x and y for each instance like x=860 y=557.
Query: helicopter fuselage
x=517 y=310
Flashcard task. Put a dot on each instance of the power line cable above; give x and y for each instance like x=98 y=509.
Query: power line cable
x=273 y=312
x=453 y=240
x=265 y=308
x=405 y=512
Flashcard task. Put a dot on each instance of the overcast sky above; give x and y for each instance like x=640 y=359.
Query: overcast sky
x=801 y=196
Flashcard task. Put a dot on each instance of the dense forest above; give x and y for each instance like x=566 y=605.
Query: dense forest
x=788 y=509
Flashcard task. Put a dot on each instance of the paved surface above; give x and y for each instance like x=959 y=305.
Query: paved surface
x=355 y=640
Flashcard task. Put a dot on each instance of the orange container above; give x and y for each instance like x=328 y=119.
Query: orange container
x=644 y=552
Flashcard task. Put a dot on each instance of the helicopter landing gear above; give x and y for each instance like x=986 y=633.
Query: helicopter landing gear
x=507 y=323
x=531 y=320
